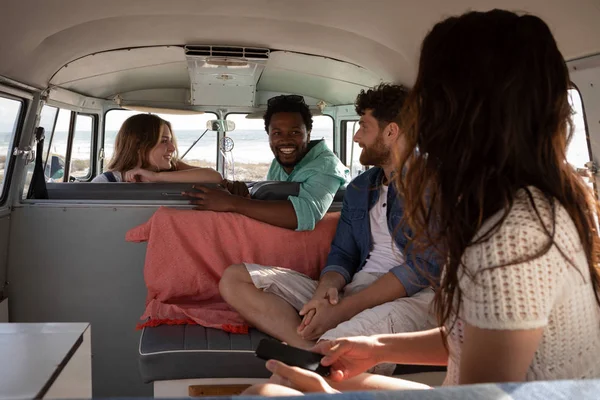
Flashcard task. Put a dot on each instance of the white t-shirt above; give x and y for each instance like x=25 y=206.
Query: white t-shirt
x=103 y=179
x=385 y=254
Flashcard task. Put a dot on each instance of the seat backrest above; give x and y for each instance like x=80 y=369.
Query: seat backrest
x=275 y=190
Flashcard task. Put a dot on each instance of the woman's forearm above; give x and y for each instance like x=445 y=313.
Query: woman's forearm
x=194 y=175
x=417 y=348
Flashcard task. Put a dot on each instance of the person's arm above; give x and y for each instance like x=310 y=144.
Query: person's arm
x=342 y=261
x=344 y=255
x=419 y=270
x=385 y=289
x=349 y=357
x=489 y=355
x=186 y=175
x=273 y=212
x=314 y=199
x=414 y=348
x=329 y=280
x=193 y=175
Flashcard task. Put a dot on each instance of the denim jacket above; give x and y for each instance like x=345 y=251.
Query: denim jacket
x=353 y=241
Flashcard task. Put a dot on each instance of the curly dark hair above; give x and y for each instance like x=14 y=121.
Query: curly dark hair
x=288 y=104
x=385 y=101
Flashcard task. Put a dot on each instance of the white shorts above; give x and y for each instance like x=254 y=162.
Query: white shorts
x=406 y=314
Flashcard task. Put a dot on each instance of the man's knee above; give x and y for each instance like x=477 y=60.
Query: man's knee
x=234 y=276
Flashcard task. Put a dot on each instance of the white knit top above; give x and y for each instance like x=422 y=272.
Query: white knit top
x=546 y=292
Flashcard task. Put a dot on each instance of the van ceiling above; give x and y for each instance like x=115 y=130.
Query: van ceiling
x=39 y=37
x=143 y=75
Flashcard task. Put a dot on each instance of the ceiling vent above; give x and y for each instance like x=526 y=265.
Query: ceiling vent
x=253 y=53
x=224 y=75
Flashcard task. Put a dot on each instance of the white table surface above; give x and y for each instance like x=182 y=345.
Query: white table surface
x=33 y=354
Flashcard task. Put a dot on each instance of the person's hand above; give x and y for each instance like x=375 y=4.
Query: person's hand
x=210 y=199
x=325 y=316
x=298 y=378
x=139 y=175
x=320 y=299
x=349 y=357
x=236 y=188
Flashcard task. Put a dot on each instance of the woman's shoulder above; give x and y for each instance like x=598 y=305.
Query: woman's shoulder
x=108 y=176
x=533 y=221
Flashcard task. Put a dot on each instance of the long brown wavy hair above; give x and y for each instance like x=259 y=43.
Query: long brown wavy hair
x=488 y=115
x=136 y=137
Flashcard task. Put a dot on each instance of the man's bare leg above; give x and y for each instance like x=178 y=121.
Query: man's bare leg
x=266 y=311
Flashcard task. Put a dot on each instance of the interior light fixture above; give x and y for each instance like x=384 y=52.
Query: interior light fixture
x=227 y=62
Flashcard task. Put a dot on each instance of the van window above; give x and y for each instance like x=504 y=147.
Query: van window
x=186 y=129
x=251 y=155
x=81 y=150
x=323 y=129
x=55 y=164
x=353 y=150
x=47 y=120
x=578 y=151
x=10 y=110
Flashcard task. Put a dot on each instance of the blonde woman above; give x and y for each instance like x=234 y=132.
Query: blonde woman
x=146 y=151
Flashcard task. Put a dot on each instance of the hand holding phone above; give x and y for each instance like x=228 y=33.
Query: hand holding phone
x=269 y=349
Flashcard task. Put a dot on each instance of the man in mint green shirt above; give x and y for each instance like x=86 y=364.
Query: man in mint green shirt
x=311 y=163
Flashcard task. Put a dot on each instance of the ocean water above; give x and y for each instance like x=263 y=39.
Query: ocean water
x=250 y=146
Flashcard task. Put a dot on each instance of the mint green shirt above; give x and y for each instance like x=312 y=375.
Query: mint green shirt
x=320 y=174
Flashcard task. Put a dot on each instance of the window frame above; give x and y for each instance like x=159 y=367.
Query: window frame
x=16 y=138
x=225 y=133
x=93 y=145
x=585 y=123
x=101 y=143
x=333 y=126
x=587 y=138
x=45 y=156
x=333 y=133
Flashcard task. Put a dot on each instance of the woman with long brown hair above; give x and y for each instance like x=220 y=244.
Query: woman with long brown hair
x=146 y=151
x=486 y=129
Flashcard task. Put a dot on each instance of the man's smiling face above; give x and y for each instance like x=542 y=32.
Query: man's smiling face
x=288 y=138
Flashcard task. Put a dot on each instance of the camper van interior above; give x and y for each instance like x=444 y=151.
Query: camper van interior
x=72 y=72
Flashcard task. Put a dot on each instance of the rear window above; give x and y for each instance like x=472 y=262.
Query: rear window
x=251 y=156
x=186 y=129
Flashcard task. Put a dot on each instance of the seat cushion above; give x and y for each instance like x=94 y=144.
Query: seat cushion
x=194 y=352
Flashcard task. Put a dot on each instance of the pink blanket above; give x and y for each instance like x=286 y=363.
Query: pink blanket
x=189 y=250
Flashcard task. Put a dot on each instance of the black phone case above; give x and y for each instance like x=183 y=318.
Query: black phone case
x=269 y=349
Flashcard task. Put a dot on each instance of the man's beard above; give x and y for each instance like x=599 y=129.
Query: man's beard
x=377 y=154
x=291 y=164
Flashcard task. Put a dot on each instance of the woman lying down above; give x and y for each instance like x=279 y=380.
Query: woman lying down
x=518 y=299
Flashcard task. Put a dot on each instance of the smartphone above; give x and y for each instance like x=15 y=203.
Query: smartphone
x=269 y=349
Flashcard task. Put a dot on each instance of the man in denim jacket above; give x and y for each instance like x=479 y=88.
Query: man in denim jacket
x=372 y=284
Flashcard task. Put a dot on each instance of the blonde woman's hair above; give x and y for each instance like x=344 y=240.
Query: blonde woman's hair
x=137 y=136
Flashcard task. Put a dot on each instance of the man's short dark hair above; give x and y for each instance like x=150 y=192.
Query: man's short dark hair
x=291 y=104
x=385 y=102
